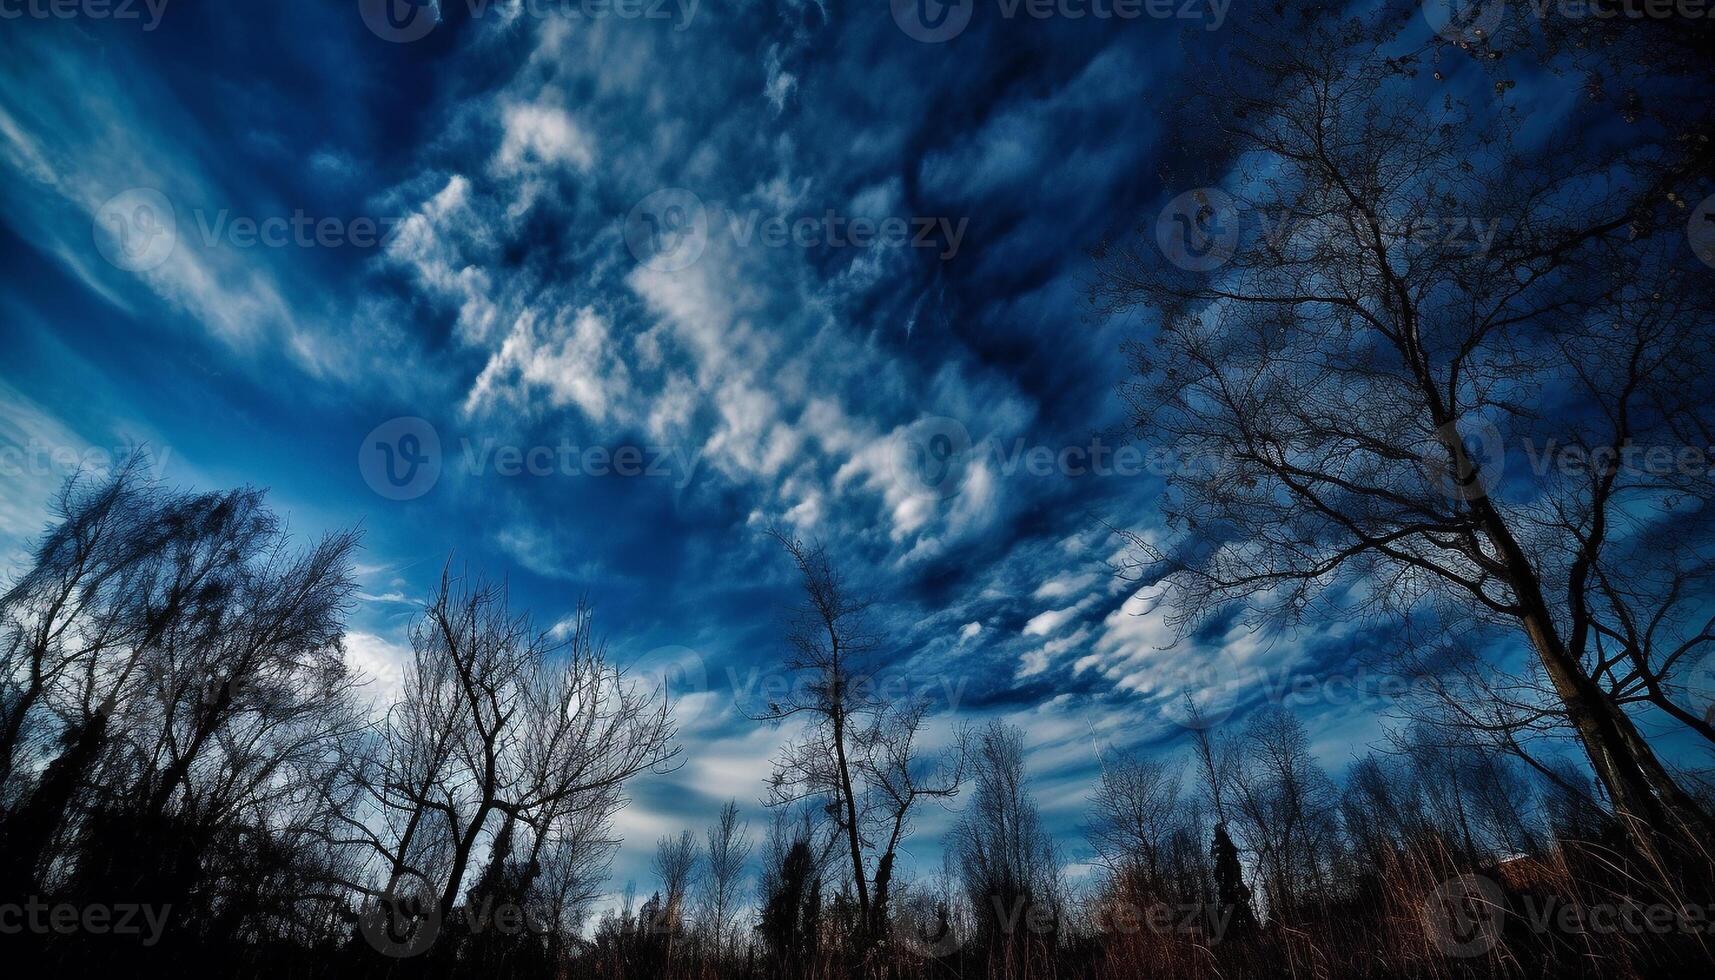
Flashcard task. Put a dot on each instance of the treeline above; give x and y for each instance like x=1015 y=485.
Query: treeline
x=181 y=735
x=193 y=773
x=1238 y=856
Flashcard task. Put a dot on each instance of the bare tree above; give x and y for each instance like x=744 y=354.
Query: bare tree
x=829 y=638
x=857 y=755
x=676 y=865
x=898 y=777
x=1286 y=807
x=504 y=733
x=64 y=605
x=191 y=657
x=728 y=848
x=1354 y=387
x=1007 y=862
x=1135 y=811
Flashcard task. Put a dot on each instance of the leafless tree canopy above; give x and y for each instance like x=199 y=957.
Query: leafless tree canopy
x=1364 y=402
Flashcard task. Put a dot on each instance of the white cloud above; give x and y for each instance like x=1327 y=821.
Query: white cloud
x=383 y=661
x=541 y=135
x=1063 y=585
x=570 y=360
x=1044 y=623
x=1036 y=661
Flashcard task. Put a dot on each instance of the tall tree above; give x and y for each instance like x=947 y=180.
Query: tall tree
x=1006 y=860
x=1358 y=382
x=858 y=755
x=728 y=847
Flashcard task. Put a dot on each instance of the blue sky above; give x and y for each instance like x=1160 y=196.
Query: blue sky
x=541 y=179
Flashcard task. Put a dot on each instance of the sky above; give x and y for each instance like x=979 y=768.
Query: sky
x=586 y=297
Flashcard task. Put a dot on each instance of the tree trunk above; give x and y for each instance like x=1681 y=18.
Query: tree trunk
x=1637 y=783
x=14 y=725
x=461 y=860
x=25 y=834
